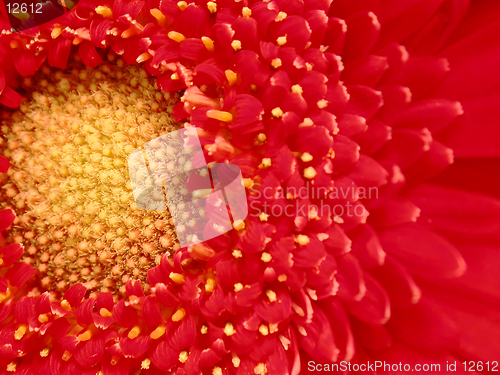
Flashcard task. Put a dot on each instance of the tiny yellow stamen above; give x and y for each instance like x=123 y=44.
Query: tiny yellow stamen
x=236 y=44
x=302 y=239
x=105 y=313
x=306 y=157
x=282 y=278
x=260 y=369
x=143 y=57
x=160 y=17
x=229 y=329
x=208 y=43
x=179 y=315
x=239 y=224
x=146 y=364
x=281 y=16
x=237 y=254
x=44 y=353
x=11 y=367
x=238 y=287
x=248 y=183
x=134 y=332
x=176 y=37
x=210 y=285
x=177 y=278
x=246 y=12
x=281 y=40
x=182 y=5
x=85 y=336
x=310 y=172
x=43 y=318
x=231 y=76
x=264 y=330
x=158 y=332
x=65 y=305
x=204 y=329
x=277 y=112
x=307 y=122
x=266 y=163
x=271 y=295
x=322 y=103
x=266 y=257
x=220 y=115
x=20 y=332
x=56 y=31
x=212 y=7
x=276 y=63
x=263 y=216
x=217 y=371
x=183 y=356
x=297 y=89
x=104 y=11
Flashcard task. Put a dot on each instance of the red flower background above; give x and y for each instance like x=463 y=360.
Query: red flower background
x=375 y=93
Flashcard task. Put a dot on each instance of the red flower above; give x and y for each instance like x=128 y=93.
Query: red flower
x=337 y=100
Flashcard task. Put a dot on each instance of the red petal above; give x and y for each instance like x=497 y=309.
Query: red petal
x=89 y=55
x=25 y=62
x=366 y=247
x=374 y=307
x=59 y=52
x=75 y=294
x=4 y=166
x=365 y=70
x=19 y=274
x=10 y=98
x=363 y=29
x=10 y=254
x=425 y=253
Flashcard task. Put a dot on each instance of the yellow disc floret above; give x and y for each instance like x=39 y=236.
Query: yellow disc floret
x=68 y=183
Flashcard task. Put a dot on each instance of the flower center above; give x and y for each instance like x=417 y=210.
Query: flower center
x=68 y=182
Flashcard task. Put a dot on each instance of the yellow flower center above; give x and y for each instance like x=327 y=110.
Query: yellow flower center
x=68 y=183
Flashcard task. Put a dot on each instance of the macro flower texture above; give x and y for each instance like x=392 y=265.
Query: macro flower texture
x=363 y=242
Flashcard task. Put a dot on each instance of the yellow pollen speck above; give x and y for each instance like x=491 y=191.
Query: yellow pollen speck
x=134 y=333
x=176 y=37
x=204 y=329
x=322 y=103
x=266 y=257
x=236 y=44
x=238 y=287
x=183 y=356
x=85 y=336
x=281 y=40
x=177 y=278
x=231 y=76
x=11 y=367
x=309 y=66
x=220 y=115
x=246 y=12
x=297 y=89
x=248 y=183
x=264 y=330
x=105 y=313
x=210 y=285
x=236 y=361
x=43 y=318
x=276 y=63
x=271 y=295
x=158 y=332
x=229 y=329
x=179 y=315
x=208 y=43
x=307 y=122
x=182 y=5
x=160 y=17
x=239 y=225
x=261 y=138
x=266 y=163
x=260 y=369
x=237 y=254
x=281 y=16
x=104 y=11
x=145 y=364
x=44 y=353
x=56 y=31
x=263 y=216
x=282 y=278
x=20 y=332
x=310 y=172
x=306 y=157
x=217 y=371
x=277 y=112
x=212 y=7
x=302 y=239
